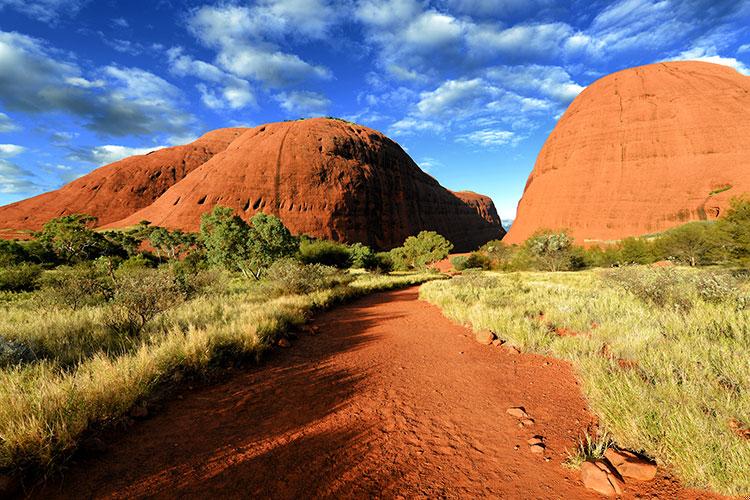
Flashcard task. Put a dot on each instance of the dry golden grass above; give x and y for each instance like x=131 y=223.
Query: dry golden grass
x=665 y=380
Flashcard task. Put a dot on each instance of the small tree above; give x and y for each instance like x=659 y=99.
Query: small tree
x=270 y=241
x=72 y=239
x=421 y=250
x=692 y=243
x=636 y=251
x=733 y=230
x=552 y=251
x=232 y=243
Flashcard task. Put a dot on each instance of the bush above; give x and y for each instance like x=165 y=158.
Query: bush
x=382 y=263
x=460 y=262
x=20 y=278
x=139 y=296
x=86 y=284
x=327 y=253
x=138 y=261
x=421 y=250
x=290 y=277
x=551 y=251
x=362 y=257
x=661 y=287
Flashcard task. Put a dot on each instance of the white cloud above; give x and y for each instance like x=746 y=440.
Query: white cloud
x=6 y=124
x=109 y=153
x=14 y=179
x=452 y=96
x=235 y=92
x=410 y=124
x=246 y=38
x=10 y=150
x=303 y=103
x=709 y=55
x=490 y=138
x=550 y=81
x=123 y=101
x=48 y=11
x=743 y=48
x=520 y=42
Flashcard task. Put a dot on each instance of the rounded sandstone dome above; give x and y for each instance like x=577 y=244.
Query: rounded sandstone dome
x=640 y=151
x=326 y=178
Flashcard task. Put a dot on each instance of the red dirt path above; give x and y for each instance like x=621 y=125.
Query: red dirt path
x=390 y=399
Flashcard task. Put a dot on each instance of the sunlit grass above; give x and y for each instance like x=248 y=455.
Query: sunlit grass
x=83 y=377
x=664 y=381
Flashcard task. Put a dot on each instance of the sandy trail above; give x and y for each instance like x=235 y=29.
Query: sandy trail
x=390 y=399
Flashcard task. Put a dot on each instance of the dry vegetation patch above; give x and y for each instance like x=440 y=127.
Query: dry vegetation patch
x=665 y=367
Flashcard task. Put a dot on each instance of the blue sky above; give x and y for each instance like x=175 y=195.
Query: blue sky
x=470 y=88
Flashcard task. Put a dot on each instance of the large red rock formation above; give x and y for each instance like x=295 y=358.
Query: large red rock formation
x=325 y=178
x=118 y=189
x=640 y=151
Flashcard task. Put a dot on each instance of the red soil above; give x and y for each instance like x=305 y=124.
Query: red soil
x=390 y=399
x=640 y=151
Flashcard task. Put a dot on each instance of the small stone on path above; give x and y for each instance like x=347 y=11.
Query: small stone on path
x=631 y=465
x=284 y=343
x=518 y=412
x=598 y=476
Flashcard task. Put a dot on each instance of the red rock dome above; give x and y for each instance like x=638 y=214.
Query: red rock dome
x=640 y=151
x=118 y=189
x=325 y=178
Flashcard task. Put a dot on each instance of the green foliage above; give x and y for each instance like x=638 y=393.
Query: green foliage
x=327 y=253
x=661 y=287
x=139 y=296
x=734 y=230
x=421 y=250
x=289 y=276
x=72 y=239
x=171 y=244
x=249 y=248
x=460 y=262
x=12 y=253
x=552 y=251
x=382 y=263
x=19 y=278
x=85 y=284
x=694 y=244
x=269 y=241
x=138 y=261
x=363 y=257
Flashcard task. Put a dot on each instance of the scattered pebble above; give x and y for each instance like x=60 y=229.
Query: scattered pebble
x=599 y=477
x=527 y=422
x=537 y=448
x=535 y=440
x=518 y=412
x=630 y=465
x=284 y=343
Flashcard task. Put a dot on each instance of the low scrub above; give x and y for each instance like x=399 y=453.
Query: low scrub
x=662 y=355
x=289 y=277
x=87 y=379
x=19 y=278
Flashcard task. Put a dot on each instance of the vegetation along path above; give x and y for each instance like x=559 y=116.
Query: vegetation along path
x=382 y=397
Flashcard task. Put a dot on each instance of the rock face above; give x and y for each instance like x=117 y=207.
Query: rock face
x=325 y=178
x=640 y=151
x=118 y=189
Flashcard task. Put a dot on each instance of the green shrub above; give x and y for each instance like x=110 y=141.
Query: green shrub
x=86 y=284
x=460 y=262
x=291 y=277
x=551 y=251
x=139 y=296
x=661 y=287
x=138 y=261
x=421 y=250
x=20 y=278
x=327 y=253
x=382 y=263
x=362 y=257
